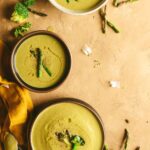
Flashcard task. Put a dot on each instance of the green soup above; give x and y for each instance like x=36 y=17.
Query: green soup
x=79 y=5
x=66 y=116
x=53 y=58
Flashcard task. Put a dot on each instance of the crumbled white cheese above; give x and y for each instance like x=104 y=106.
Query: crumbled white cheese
x=87 y=50
x=114 y=84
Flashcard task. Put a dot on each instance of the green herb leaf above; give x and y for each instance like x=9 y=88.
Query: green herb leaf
x=20 y=13
x=20 y=30
x=29 y=3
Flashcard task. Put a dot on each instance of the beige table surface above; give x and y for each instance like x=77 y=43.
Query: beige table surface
x=124 y=57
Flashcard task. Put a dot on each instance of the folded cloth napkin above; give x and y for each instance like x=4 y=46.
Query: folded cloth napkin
x=17 y=104
x=15 y=107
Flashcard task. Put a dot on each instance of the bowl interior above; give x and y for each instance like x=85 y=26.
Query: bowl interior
x=72 y=101
x=79 y=12
x=67 y=57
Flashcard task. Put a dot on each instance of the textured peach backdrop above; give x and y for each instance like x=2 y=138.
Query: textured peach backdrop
x=124 y=57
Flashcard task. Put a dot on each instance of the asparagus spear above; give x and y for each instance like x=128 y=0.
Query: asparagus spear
x=37 y=13
x=105 y=22
x=124 y=2
x=103 y=17
x=74 y=147
x=46 y=69
x=43 y=65
x=125 y=140
x=39 y=63
x=33 y=53
x=112 y=26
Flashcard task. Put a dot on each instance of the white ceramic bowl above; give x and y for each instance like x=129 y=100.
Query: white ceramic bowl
x=76 y=12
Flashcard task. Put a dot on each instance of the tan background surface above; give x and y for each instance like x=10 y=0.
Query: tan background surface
x=124 y=57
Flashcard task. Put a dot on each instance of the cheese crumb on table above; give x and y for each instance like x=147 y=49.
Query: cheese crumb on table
x=87 y=50
x=114 y=84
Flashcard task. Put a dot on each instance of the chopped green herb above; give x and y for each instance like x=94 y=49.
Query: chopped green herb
x=20 y=30
x=20 y=13
x=29 y=3
x=73 y=140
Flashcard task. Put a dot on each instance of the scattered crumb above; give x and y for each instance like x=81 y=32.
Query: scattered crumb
x=137 y=148
x=114 y=84
x=96 y=63
x=127 y=121
x=69 y=120
x=87 y=50
x=147 y=121
x=49 y=28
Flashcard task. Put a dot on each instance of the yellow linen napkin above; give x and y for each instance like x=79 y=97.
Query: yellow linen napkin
x=14 y=109
x=18 y=104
